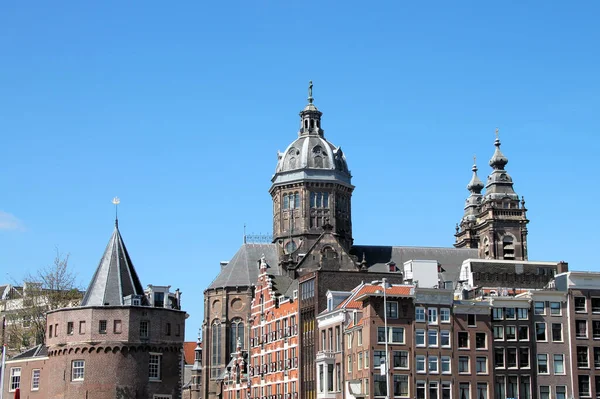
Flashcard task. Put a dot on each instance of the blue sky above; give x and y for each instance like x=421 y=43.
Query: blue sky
x=179 y=109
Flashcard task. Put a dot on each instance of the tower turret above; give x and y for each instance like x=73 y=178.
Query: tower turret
x=497 y=222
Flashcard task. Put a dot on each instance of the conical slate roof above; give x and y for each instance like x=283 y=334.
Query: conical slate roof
x=115 y=277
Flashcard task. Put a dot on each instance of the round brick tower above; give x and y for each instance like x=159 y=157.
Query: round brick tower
x=121 y=342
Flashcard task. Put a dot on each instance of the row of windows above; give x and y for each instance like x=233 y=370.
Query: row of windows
x=429 y=315
x=317 y=200
x=15 y=379
x=505 y=387
x=286 y=388
x=510 y=314
x=116 y=328
x=581 y=304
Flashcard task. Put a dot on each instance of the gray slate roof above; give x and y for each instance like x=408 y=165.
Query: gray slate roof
x=450 y=259
x=115 y=277
x=40 y=350
x=242 y=270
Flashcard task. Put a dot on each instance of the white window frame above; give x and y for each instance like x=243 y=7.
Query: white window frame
x=535 y=309
x=446 y=333
x=420 y=315
x=537 y=364
x=435 y=361
x=486 y=371
x=34 y=386
x=564 y=370
x=559 y=309
x=446 y=360
x=421 y=359
x=498 y=328
x=419 y=333
x=497 y=314
x=15 y=379
x=152 y=357
x=468 y=364
x=432 y=316
x=514 y=329
x=545 y=329
x=445 y=315
x=432 y=333
x=78 y=370
x=521 y=312
x=584 y=308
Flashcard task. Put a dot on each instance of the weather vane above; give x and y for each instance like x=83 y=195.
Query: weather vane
x=116 y=201
x=497 y=130
x=310 y=97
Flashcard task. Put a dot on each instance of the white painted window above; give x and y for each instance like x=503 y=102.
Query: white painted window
x=154 y=366
x=35 y=380
x=15 y=379
x=77 y=370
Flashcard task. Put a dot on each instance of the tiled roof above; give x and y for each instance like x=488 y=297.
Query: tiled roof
x=189 y=352
x=394 y=290
x=115 y=277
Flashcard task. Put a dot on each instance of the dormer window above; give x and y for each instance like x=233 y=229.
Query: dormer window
x=330 y=304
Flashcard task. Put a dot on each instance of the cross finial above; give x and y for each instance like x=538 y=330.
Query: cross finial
x=116 y=201
x=475 y=159
x=310 y=97
x=497 y=130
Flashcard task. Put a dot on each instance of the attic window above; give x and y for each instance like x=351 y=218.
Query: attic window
x=392 y=267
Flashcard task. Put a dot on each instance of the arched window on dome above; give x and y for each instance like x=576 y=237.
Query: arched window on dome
x=292 y=163
x=312 y=123
x=236 y=331
x=306 y=123
x=215 y=349
x=508 y=247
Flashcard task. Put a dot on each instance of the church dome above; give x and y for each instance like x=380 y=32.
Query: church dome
x=311 y=156
x=312 y=152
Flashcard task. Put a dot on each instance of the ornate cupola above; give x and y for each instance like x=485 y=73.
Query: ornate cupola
x=497 y=222
x=499 y=185
x=311 y=188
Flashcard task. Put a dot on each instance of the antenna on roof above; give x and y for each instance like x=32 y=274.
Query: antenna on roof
x=116 y=201
x=244 y=233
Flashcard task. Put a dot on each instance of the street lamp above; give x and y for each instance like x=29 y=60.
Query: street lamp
x=383 y=282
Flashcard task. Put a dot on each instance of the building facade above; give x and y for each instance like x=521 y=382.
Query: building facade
x=313 y=244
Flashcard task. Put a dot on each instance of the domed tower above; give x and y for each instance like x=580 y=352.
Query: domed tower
x=311 y=188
